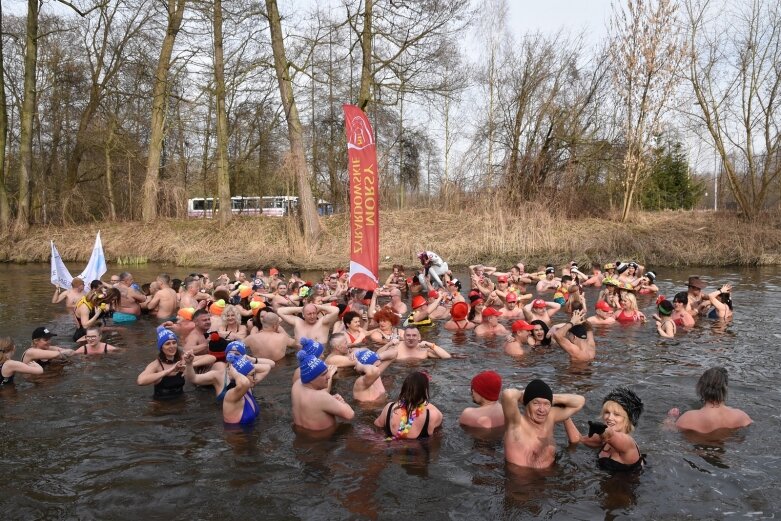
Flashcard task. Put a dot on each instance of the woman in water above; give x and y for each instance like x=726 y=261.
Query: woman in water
x=239 y=405
x=629 y=312
x=539 y=336
x=166 y=372
x=609 y=294
x=412 y=416
x=232 y=328
x=680 y=316
x=94 y=346
x=621 y=409
x=719 y=305
x=353 y=327
x=665 y=325
x=10 y=367
x=387 y=320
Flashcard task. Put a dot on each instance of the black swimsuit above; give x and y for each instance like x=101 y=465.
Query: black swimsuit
x=612 y=465
x=389 y=434
x=5 y=380
x=169 y=386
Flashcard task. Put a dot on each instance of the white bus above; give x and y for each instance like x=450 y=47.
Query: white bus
x=270 y=206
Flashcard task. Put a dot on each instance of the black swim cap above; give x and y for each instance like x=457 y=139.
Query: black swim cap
x=579 y=331
x=537 y=389
x=628 y=400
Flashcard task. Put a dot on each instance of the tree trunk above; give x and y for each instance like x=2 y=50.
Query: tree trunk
x=26 y=119
x=5 y=207
x=109 y=144
x=306 y=203
x=364 y=93
x=159 y=102
x=223 y=179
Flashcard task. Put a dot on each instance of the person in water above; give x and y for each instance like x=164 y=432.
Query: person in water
x=72 y=296
x=10 y=367
x=368 y=386
x=239 y=405
x=718 y=304
x=521 y=331
x=621 y=410
x=94 y=346
x=314 y=407
x=665 y=325
x=714 y=414
x=488 y=414
x=577 y=338
x=165 y=373
x=42 y=351
x=218 y=375
x=528 y=437
x=411 y=416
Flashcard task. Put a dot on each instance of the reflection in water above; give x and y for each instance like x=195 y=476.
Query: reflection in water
x=526 y=488
x=619 y=492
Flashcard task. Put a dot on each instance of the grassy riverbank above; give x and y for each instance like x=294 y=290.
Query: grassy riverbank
x=535 y=237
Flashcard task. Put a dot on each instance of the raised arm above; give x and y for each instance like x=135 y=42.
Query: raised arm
x=290 y=314
x=565 y=405
x=435 y=351
x=509 y=400
x=331 y=314
x=59 y=296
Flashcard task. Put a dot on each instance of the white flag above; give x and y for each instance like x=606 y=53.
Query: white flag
x=96 y=266
x=60 y=275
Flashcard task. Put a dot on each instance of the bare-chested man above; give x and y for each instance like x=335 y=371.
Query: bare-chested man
x=488 y=414
x=189 y=298
x=490 y=325
x=511 y=308
x=714 y=414
x=550 y=282
x=281 y=298
x=310 y=325
x=528 y=437
x=164 y=301
x=72 y=296
x=314 y=408
x=538 y=309
x=368 y=387
x=577 y=338
x=129 y=309
x=412 y=348
x=272 y=341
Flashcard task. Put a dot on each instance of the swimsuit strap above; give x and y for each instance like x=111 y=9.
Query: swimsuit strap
x=388 y=432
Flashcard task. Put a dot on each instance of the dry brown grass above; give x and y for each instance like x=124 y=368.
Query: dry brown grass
x=484 y=233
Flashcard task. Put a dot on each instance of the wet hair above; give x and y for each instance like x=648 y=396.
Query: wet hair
x=681 y=297
x=6 y=346
x=414 y=390
x=386 y=314
x=349 y=316
x=725 y=298
x=712 y=385
x=545 y=340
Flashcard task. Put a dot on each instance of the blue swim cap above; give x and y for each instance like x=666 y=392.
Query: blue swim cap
x=366 y=356
x=164 y=335
x=237 y=346
x=242 y=364
x=311 y=347
x=311 y=367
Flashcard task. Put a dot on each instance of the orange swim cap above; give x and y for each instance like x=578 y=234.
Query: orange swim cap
x=217 y=308
x=185 y=313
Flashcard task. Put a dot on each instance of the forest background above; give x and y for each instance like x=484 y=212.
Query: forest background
x=492 y=144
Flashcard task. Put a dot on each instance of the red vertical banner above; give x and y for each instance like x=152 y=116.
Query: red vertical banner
x=364 y=200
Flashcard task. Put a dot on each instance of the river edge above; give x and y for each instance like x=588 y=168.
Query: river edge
x=535 y=237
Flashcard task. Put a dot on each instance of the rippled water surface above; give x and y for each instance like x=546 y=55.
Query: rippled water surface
x=84 y=442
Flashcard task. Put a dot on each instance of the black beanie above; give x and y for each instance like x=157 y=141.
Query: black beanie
x=628 y=400
x=537 y=389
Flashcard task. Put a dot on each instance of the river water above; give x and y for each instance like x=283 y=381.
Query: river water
x=84 y=442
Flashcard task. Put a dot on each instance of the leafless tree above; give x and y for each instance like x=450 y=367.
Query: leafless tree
x=735 y=73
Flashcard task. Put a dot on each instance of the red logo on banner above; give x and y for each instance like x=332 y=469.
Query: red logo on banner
x=364 y=200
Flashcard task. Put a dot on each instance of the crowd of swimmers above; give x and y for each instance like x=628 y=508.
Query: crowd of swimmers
x=228 y=334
